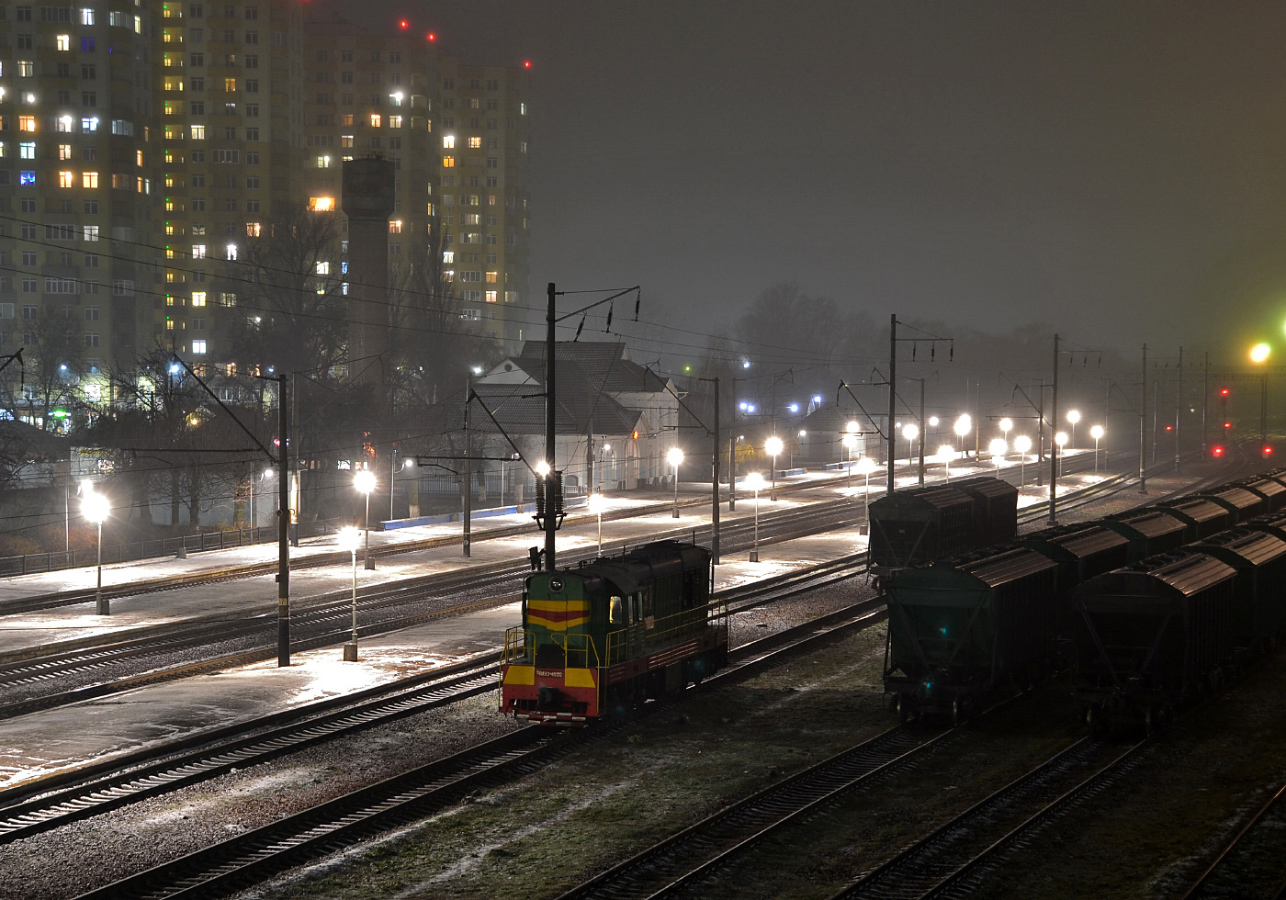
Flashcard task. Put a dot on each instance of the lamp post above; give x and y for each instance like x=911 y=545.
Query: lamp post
x=96 y=508
x=850 y=441
x=1022 y=444
x=1061 y=440
x=410 y=464
x=1005 y=425
x=773 y=446
x=602 y=463
x=350 y=539
x=962 y=426
x=675 y=458
x=1073 y=416
x=364 y=481
x=910 y=431
x=595 y=503
x=1097 y=433
x=997 y=448
x=866 y=466
x=1259 y=355
x=802 y=434
x=755 y=482
x=946 y=453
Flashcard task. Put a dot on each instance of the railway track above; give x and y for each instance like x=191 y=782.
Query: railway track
x=1250 y=865
x=949 y=861
x=408 y=797
x=60 y=800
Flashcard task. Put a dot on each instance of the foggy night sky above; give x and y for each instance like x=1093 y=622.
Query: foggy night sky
x=1114 y=170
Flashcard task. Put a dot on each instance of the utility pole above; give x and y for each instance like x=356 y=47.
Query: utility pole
x=1178 y=410
x=1054 y=450
x=923 y=428
x=732 y=449
x=891 y=437
x=1205 y=404
x=466 y=480
x=1143 y=426
x=714 y=487
x=551 y=480
x=283 y=526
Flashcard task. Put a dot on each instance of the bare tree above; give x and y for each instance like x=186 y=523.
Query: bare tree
x=50 y=372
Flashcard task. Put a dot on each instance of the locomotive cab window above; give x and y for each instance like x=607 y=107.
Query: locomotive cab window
x=616 y=612
x=646 y=595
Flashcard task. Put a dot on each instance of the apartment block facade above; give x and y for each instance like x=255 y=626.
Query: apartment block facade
x=143 y=143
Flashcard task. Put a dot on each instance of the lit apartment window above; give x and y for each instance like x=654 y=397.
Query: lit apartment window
x=27 y=150
x=89 y=123
x=448 y=162
x=395 y=227
x=491 y=278
x=323 y=268
x=66 y=179
x=230 y=85
x=323 y=162
x=198 y=251
x=321 y=204
x=63 y=42
x=87 y=16
x=89 y=179
x=395 y=122
x=26 y=123
x=346 y=120
x=448 y=142
x=198 y=347
x=64 y=151
x=375 y=120
x=491 y=296
x=231 y=251
x=26 y=68
x=253 y=229
x=475 y=143
x=198 y=298
x=198 y=132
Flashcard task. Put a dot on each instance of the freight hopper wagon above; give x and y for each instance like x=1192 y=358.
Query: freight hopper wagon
x=1259 y=558
x=960 y=628
x=1152 y=636
x=918 y=525
x=603 y=637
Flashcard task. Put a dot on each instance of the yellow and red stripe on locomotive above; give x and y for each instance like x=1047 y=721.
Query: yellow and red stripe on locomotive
x=602 y=637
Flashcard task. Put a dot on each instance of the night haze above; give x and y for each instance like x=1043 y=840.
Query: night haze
x=1110 y=170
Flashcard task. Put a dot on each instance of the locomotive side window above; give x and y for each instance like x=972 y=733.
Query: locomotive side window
x=616 y=612
x=646 y=594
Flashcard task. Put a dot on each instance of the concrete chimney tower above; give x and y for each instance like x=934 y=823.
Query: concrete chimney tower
x=368 y=203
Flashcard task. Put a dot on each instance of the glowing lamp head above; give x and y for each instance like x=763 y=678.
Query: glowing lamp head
x=998 y=447
x=1073 y=416
x=963 y=425
x=910 y=431
x=933 y=421
x=1022 y=443
x=1097 y=432
x=803 y=433
x=364 y=481
x=946 y=453
x=850 y=441
x=349 y=538
x=95 y=507
x=674 y=456
x=1260 y=353
x=542 y=469
x=595 y=503
x=773 y=446
x=866 y=465
x=852 y=427
x=794 y=407
x=754 y=482
x=1006 y=424
x=1061 y=438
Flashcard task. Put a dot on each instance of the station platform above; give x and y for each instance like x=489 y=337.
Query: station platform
x=50 y=741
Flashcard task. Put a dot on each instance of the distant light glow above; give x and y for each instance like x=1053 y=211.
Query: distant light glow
x=431 y=37
x=1259 y=353
x=773 y=446
x=1073 y=416
x=1097 y=432
x=364 y=481
x=1022 y=443
x=998 y=447
x=526 y=64
x=794 y=407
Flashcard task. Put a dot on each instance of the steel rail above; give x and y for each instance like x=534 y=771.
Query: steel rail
x=1221 y=862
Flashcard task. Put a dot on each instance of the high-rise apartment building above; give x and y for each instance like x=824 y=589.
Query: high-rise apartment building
x=143 y=143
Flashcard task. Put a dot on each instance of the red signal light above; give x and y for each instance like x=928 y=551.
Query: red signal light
x=431 y=37
x=1227 y=425
x=404 y=24
x=1218 y=451
x=1268 y=451
x=526 y=64
x=1223 y=392
x=1169 y=428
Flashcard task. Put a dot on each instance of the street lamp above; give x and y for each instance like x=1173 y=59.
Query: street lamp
x=96 y=508
x=1022 y=444
x=1097 y=433
x=602 y=463
x=772 y=447
x=849 y=441
x=254 y=513
x=350 y=539
x=997 y=448
x=865 y=466
x=675 y=458
x=1061 y=440
x=394 y=470
x=364 y=481
x=946 y=453
x=595 y=503
x=1259 y=355
x=1005 y=425
x=963 y=424
x=1073 y=416
x=755 y=482
x=910 y=431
